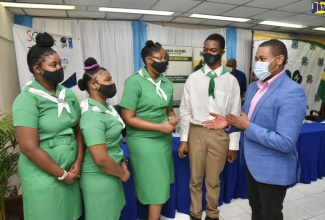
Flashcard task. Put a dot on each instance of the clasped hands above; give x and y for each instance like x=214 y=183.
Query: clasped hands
x=174 y=121
x=73 y=174
x=126 y=174
x=171 y=124
x=221 y=122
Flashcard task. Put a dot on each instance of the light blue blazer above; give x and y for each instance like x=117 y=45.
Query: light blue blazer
x=268 y=146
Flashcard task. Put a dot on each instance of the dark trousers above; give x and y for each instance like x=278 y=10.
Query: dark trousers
x=265 y=200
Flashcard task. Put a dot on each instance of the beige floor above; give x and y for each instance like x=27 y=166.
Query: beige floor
x=303 y=201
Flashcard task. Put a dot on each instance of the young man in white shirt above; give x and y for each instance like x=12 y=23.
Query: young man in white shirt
x=209 y=89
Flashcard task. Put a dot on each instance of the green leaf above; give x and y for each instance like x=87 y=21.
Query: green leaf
x=8 y=156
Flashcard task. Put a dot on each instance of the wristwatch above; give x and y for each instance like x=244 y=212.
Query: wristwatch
x=125 y=160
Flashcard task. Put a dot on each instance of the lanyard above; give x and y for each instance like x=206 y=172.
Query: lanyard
x=85 y=105
x=159 y=90
x=60 y=101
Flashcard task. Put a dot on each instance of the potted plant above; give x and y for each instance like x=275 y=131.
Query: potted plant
x=8 y=160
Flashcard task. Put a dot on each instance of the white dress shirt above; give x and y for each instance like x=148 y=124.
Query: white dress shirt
x=196 y=103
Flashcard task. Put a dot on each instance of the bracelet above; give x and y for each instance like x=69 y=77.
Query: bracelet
x=63 y=176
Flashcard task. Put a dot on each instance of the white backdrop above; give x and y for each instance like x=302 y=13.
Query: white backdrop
x=243 y=51
x=64 y=27
x=180 y=37
x=109 y=42
x=69 y=52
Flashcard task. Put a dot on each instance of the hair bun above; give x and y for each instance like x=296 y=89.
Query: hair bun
x=44 y=40
x=90 y=61
x=81 y=85
x=149 y=43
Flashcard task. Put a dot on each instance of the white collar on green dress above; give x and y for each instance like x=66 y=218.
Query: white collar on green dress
x=60 y=100
x=84 y=105
x=159 y=90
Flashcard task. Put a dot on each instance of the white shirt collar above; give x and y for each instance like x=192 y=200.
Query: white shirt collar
x=218 y=71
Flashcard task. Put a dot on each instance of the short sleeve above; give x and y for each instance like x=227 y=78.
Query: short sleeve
x=131 y=93
x=92 y=128
x=171 y=103
x=25 y=111
x=76 y=104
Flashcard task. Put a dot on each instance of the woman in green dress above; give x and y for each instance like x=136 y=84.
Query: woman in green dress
x=103 y=169
x=46 y=118
x=147 y=103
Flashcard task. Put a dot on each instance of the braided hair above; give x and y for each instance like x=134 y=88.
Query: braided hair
x=91 y=69
x=150 y=48
x=37 y=53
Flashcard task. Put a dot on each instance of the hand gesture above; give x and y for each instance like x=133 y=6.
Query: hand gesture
x=75 y=168
x=166 y=127
x=219 y=122
x=240 y=122
x=125 y=176
x=174 y=121
x=71 y=178
x=124 y=166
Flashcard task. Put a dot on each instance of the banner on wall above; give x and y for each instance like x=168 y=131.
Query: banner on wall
x=68 y=49
x=180 y=67
x=305 y=63
x=197 y=56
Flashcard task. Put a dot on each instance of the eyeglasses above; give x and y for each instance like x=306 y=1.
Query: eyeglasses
x=160 y=59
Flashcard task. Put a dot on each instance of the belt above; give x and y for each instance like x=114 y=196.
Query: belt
x=202 y=126
x=197 y=125
x=60 y=140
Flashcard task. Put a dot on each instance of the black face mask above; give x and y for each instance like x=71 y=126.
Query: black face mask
x=107 y=90
x=211 y=59
x=55 y=77
x=159 y=67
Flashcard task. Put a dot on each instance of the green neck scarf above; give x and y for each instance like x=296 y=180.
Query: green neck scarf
x=212 y=76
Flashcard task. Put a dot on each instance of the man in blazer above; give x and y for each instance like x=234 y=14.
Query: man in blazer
x=271 y=119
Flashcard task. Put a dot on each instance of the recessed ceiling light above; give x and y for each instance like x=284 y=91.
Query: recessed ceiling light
x=282 y=24
x=36 y=6
x=319 y=29
x=219 y=18
x=136 y=11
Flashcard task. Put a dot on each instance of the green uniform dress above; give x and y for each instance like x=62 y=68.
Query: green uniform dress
x=103 y=194
x=45 y=197
x=150 y=151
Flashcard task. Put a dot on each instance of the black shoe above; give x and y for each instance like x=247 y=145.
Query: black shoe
x=208 y=218
x=193 y=218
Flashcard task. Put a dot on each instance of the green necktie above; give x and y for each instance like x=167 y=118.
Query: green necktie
x=213 y=75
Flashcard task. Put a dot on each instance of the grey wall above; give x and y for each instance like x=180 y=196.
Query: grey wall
x=9 y=84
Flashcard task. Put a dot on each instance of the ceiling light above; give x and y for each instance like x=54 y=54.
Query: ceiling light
x=36 y=6
x=136 y=11
x=281 y=24
x=319 y=29
x=219 y=18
